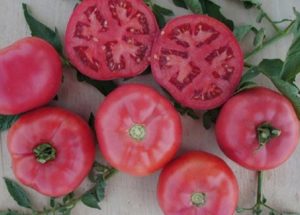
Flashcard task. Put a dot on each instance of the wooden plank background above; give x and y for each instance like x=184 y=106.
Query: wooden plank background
x=127 y=195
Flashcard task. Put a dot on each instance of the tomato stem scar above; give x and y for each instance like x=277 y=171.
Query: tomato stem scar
x=44 y=152
x=137 y=132
x=198 y=199
x=265 y=132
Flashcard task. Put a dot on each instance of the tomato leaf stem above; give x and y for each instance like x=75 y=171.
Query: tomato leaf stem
x=261 y=201
x=268 y=18
x=103 y=173
x=270 y=41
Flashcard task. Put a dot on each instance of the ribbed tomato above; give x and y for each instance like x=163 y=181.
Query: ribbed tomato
x=30 y=75
x=138 y=130
x=258 y=129
x=197 y=183
x=52 y=150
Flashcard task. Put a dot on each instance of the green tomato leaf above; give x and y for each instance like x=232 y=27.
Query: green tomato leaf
x=191 y=113
x=249 y=75
x=210 y=117
x=260 y=16
x=194 y=5
x=290 y=91
x=296 y=28
x=184 y=110
x=270 y=67
x=52 y=202
x=6 y=121
x=162 y=10
x=18 y=193
x=239 y=210
x=259 y=38
x=245 y=85
x=180 y=3
x=251 y=3
x=38 y=29
x=291 y=66
x=289 y=213
x=214 y=10
x=148 y=2
x=68 y=197
x=105 y=87
x=160 y=18
x=90 y=200
x=100 y=189
x=241 y=31
x=11 y=212
x=91 y=120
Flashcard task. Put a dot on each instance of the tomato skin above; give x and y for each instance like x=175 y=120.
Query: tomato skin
x=241 y=116
x=126 y=107
x=92 y=35
x=30 y=75
x=197 y=172
x=72 y=139
x=187 y=75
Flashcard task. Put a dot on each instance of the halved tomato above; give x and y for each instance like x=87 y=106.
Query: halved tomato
x=109 y=39
x=198 y=61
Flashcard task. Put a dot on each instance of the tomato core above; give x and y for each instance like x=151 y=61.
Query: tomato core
x=198 y=199
x=44 y=152
x=137 y=132
x=265 y=132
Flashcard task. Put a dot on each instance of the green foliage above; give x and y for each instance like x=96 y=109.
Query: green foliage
x=205 y=7
x=241 y=31
x=159 y=12
x=6 y=121
x=210 y=117
x=105 y=87
x=17 y=193
x=40 y=30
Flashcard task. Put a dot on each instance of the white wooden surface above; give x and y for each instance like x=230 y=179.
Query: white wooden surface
x=128 y=195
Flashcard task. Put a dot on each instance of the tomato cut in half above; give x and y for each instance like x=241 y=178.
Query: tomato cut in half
x=138 y=130
x=258 y=129
x=52 y=150
x=197 y=183
x=109 y=39
x=30 y=75
x=198 y=61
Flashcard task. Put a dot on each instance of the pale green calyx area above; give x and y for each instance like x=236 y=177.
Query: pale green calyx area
x=44 y=152
x=198 y=199
x=266 y=132
x=137 y=132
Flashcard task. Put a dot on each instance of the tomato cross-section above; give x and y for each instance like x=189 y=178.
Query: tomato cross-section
x=198 y=60
x=138 y=130
x=108 y=39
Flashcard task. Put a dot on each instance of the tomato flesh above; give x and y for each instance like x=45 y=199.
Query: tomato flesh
x=197 y=183
x=238 y=123
x=108 y=39
x=138 y=130
x=30 y=75
x=198 y=60
x=67 y=134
